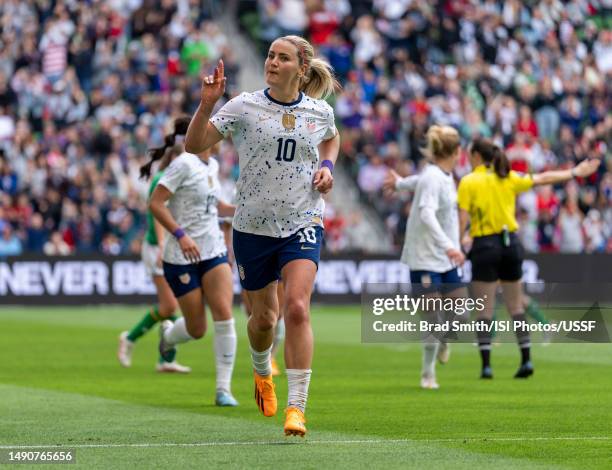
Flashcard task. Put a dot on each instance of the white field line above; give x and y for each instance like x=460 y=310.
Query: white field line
x=310 y=442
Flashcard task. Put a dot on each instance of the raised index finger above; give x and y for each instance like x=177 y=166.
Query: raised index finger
x=221 y=69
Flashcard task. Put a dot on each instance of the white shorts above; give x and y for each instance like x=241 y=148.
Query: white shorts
x=149 y=256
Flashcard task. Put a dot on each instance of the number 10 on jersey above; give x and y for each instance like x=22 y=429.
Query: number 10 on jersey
x=286 y=150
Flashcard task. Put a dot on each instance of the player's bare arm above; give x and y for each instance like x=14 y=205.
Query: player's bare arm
x=201 y=134
x=328 y=150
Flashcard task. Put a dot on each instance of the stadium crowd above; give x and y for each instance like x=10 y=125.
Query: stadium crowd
x=87 y=87
x=533 y=76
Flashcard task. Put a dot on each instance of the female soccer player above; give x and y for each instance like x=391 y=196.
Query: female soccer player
x=431 y=248
x=195 y=260
x=287 y=142
x=151 y=257
x=487 y=198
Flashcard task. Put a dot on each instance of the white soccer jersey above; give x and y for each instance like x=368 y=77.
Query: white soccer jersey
x=195 y=190
x=424 y=250
x=278 y=148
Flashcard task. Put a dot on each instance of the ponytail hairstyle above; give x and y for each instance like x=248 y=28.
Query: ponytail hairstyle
x=442 y=142
x=180 y=129
x=318 y=82
x=492 y=155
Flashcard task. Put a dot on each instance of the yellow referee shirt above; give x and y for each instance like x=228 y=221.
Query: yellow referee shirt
x=491 y=200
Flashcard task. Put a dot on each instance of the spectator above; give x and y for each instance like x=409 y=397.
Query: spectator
x=570 y=228
x=36 y=235
x=528 y=232
x=195 y=52
x=111 y=245
x=593 y=228
x=335 y=225
x=56 y=246
x=10 y=245
x=546 y=232
x=371 y=175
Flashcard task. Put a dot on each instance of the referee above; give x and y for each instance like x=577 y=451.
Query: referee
x=486 y=199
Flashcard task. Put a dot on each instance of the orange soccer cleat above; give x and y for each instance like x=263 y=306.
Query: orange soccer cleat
x=265 y=397
x=295 y=422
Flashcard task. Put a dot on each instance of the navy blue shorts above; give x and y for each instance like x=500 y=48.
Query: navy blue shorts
x=427 y=282
x=260 y=258
x=183 y=278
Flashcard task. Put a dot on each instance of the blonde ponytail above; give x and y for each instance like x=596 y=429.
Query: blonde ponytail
x=318 y=82
x=442 y=142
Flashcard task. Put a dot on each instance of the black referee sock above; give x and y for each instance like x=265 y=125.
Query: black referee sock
x=484 y=342
x=524 y=341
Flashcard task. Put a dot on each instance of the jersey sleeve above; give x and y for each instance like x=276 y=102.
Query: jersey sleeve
x=174 y=175
x=520 y=183
x=331 y=130
x=429 y=202
x=464 y=194
x=429 y=219
x=227 y=119
x=429 y=192
x=408 y=183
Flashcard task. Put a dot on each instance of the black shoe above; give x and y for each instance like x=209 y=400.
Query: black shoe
x=167 y=353
x=486 y=373
x=524 y=371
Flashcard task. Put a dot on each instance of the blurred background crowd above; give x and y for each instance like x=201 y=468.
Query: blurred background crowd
x=87 y=86
x=533 y=75
x=85 y=89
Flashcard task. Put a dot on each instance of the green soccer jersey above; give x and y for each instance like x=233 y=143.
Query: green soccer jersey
x=150 y=235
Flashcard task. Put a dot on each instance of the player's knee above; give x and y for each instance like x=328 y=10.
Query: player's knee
x=222 y=313
x=196 y=331
x=267 y=322
x=166 y=310
x=296 y=312
x=264 y=320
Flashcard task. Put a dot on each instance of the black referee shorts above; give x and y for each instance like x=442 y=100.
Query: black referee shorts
x=492 y=260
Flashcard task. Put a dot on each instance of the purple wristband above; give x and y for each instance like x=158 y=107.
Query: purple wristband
x=328 y=164
x=179 y=233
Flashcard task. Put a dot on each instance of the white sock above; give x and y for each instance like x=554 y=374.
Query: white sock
x=279 y=335
x=261 y=361
x=225 y=353
x=430 y=351
x=178 y=333
x=298 y=381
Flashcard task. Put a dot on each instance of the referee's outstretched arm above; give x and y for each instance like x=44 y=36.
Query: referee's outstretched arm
x=582 y=170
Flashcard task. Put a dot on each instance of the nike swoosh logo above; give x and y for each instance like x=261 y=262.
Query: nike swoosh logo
x=307 y=247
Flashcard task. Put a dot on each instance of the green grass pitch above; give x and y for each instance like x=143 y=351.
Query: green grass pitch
x=60 y=384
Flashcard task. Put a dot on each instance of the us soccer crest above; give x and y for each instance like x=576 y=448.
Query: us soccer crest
x=311 y=124
x=185 y=278
x=241 y=272
x=288 y=121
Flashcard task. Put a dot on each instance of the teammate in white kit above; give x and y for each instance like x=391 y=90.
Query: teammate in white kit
x=151 y=258
x=195 y=260
x=431 y=248
x=287 y=142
